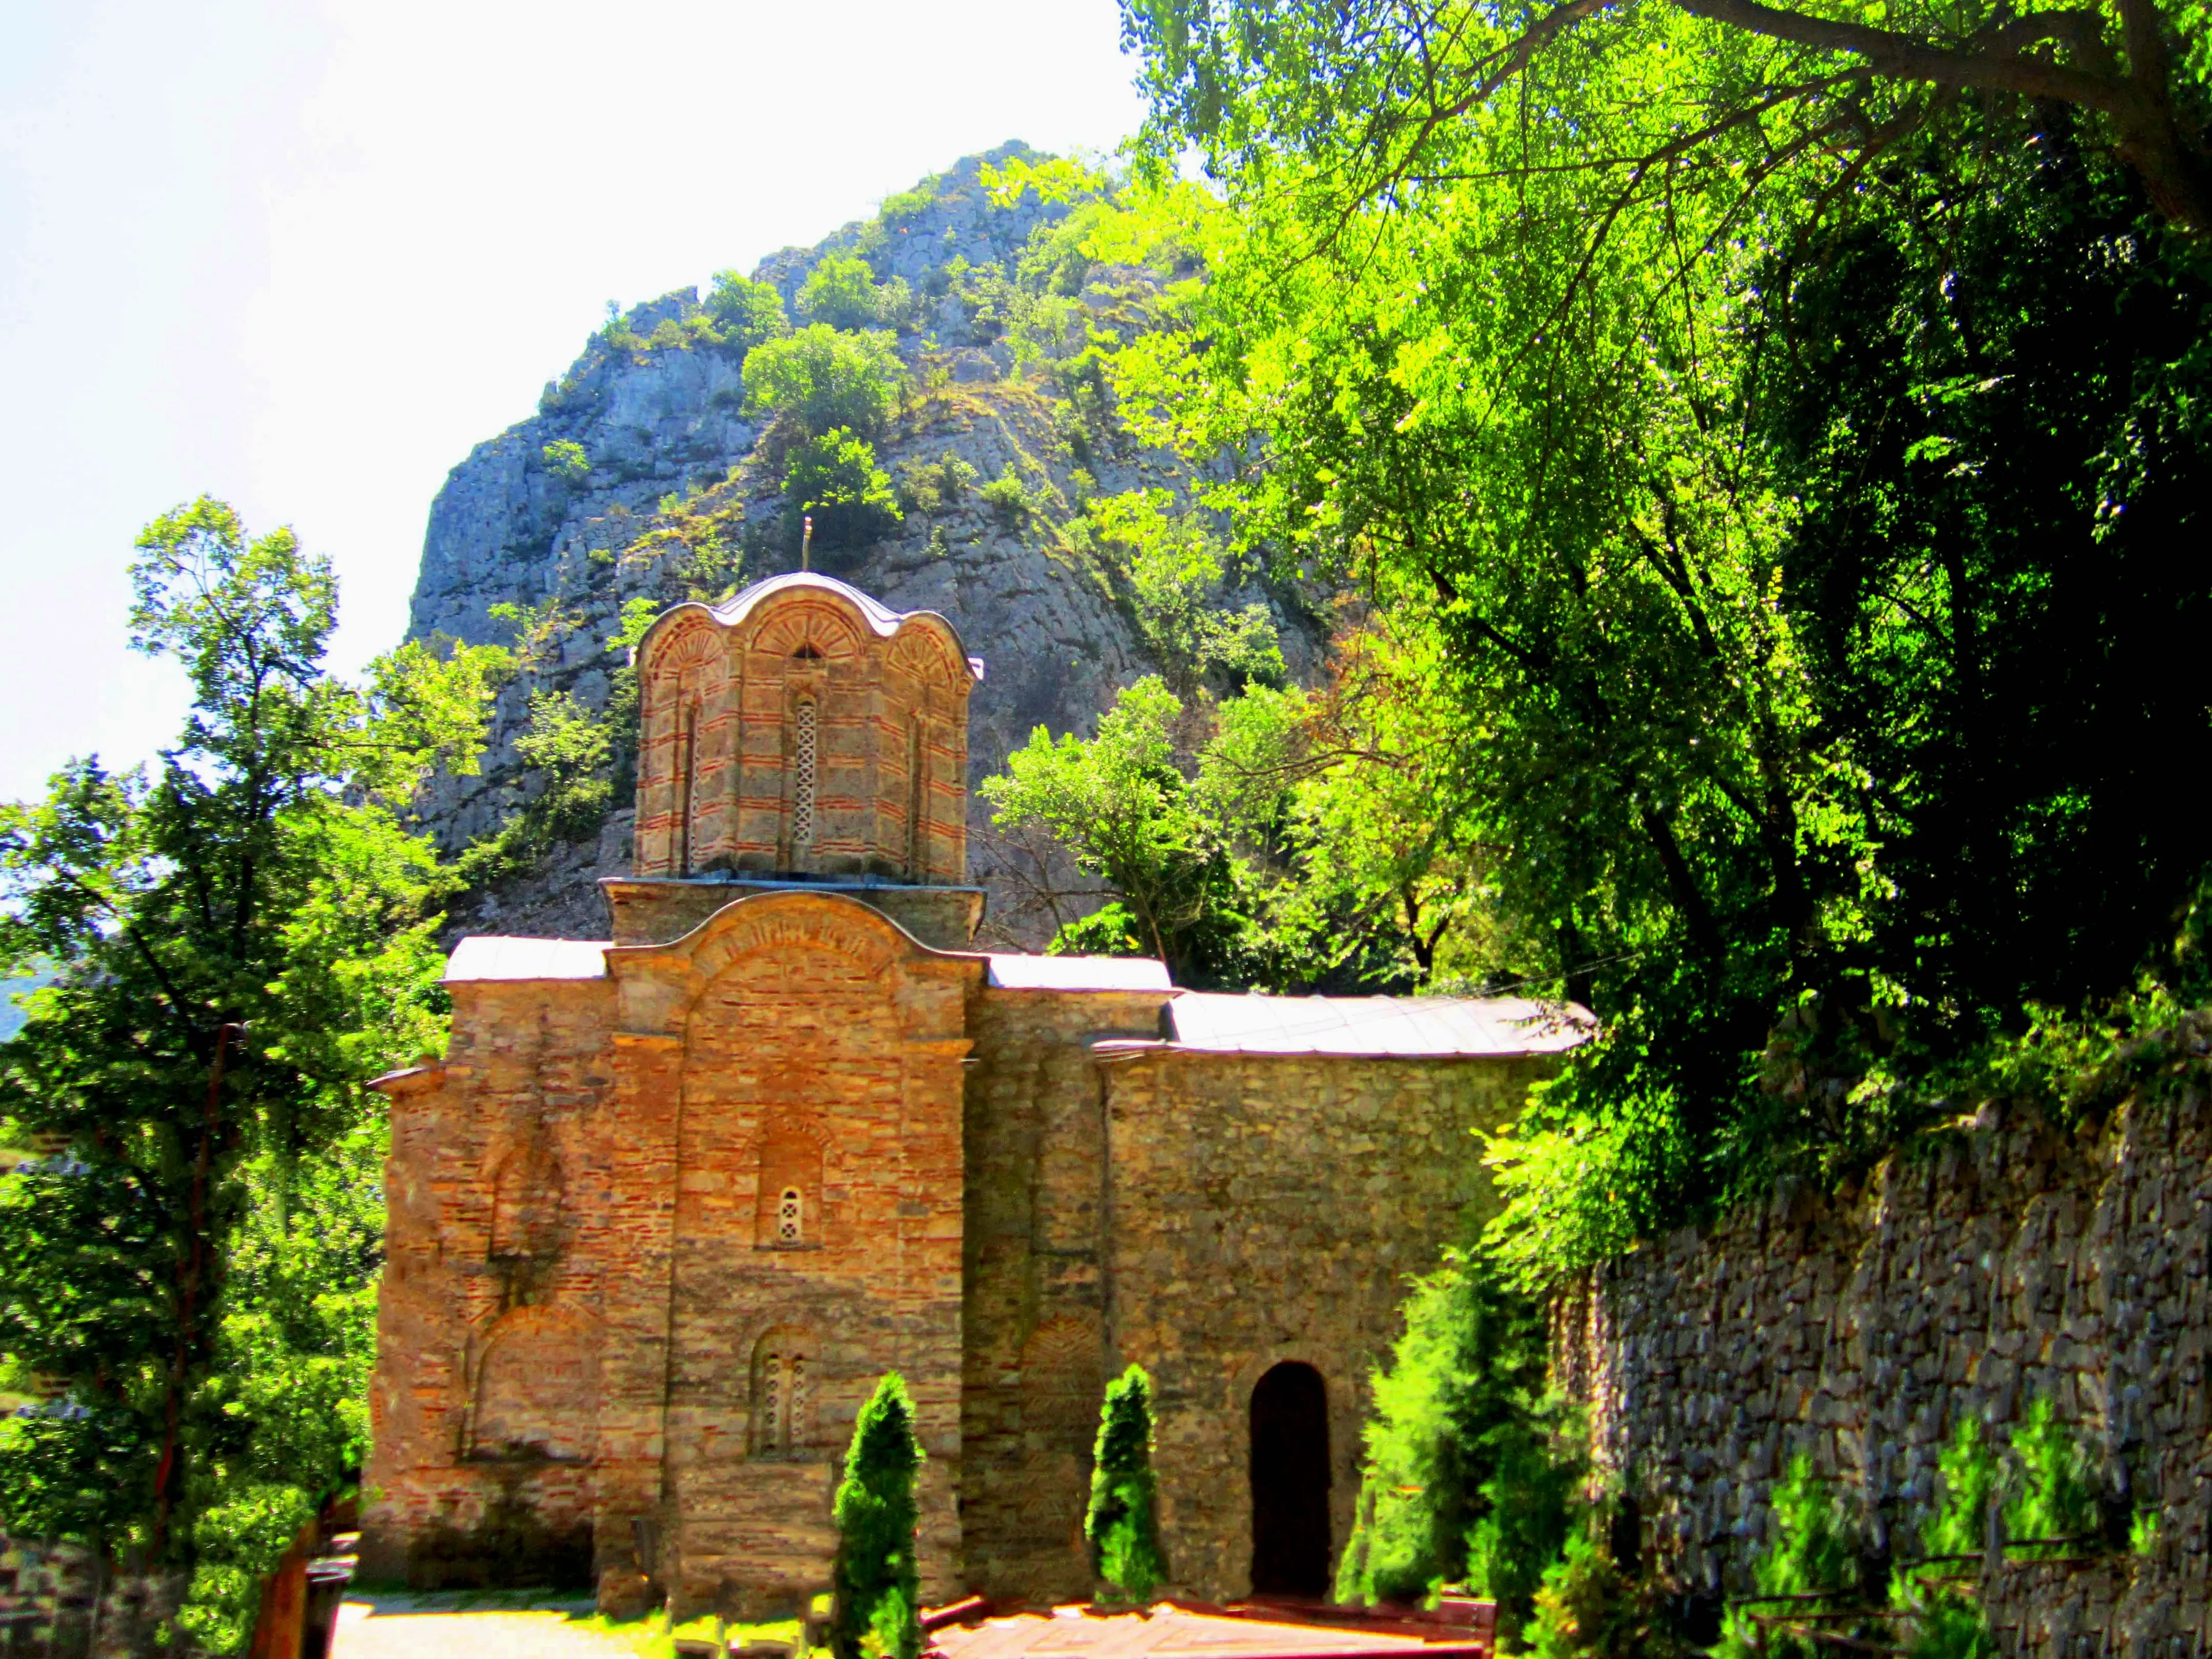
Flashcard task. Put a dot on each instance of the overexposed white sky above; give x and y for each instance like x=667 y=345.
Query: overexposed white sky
x=302 y=254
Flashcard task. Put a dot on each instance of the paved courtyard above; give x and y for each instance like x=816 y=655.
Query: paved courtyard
x=482 y=1627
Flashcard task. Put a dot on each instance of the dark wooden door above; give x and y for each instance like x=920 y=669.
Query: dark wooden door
x=1290 y=1483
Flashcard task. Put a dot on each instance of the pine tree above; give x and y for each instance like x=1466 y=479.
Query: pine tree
x=1122 y=1529
x=877 y=1589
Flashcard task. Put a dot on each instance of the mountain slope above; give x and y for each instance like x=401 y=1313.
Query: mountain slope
x=645 y=477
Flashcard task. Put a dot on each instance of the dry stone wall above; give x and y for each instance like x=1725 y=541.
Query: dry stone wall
x=1976 y=1271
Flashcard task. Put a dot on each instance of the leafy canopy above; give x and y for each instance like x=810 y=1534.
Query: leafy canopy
x=243 y=938
x=819 y=379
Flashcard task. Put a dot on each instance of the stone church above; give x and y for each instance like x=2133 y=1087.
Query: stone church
x=673 y=1201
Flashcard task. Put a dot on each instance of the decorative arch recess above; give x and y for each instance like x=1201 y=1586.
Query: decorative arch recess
x=537 y=1388
x=528 y=1198
x=783 y=923
x=791 y=1213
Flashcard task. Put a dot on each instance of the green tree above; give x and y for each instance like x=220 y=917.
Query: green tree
x=565 y=459
x=835 y=478
x=1794 y=579
x=745 y=313
x=1121 y=1524
x=243 y=940
x=819 y=379
x=1378 y=88
x=842 y=292
x=569 y=752
x=876 y=1579
x=1120 y=804
x=2054 y=1499
x=1815 y=1551
x=1470 y=1468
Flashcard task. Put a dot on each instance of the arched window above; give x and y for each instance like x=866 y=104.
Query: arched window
x=783 y=1398
x=803 y=722
x=791 y=1213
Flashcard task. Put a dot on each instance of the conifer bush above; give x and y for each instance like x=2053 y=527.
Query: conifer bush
x=1121 y=1527
x=877 y=1614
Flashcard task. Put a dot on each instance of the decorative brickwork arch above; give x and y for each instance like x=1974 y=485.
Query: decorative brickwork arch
x=781 y=923
x=537 y=1392
x=684 y=677
x=925 y=650
x=818 y=625
x=1063 y=1380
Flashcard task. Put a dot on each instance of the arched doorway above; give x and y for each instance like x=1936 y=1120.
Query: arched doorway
x=1290 y=1482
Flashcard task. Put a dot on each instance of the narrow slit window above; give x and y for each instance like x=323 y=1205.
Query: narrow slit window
x=917 y=803
x=686 y=768
x=790 y=1218
x=802 y=779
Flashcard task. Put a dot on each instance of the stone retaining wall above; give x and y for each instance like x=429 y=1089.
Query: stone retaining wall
x=1975 y=1270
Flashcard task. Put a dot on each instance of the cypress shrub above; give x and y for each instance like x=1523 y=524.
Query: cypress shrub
x=1122 y=1529
x=876 y=1615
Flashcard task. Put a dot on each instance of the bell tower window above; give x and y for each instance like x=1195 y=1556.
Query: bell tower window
x=687 y=746
x=790 y=1218
x=804 y=722
x=917 y=804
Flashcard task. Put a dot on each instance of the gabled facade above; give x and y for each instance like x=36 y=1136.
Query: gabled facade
x=674 y=1201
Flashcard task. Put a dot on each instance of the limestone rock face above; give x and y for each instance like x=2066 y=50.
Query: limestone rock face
x=667 y=440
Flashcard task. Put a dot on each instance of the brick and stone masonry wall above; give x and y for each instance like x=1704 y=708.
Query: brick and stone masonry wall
x=1975 y=1270
x=1035 y=1295
x=1265 y=1209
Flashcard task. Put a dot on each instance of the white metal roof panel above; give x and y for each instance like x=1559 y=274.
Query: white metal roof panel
x=1410 y=1027
x=492 y=957
x=1027 y=973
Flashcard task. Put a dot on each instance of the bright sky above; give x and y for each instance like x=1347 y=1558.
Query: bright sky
x=302 y=254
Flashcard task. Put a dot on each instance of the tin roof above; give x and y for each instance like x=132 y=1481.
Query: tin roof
x=1028 y=973
x=491 y=957
x=1373 y=1027
x=1165 y=1630
x=878 y=616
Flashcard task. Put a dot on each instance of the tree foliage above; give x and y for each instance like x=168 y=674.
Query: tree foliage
x=1121 y=1524
x=1471 y=1465
x=243 y=938
x=834 y=478
x=1376 y=90
x=876 y=1579
x=842 y=292
x=818 y=379
x=1789 y=541
x=745 y=313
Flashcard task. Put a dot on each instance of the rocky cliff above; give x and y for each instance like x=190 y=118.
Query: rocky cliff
x=673 y=489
